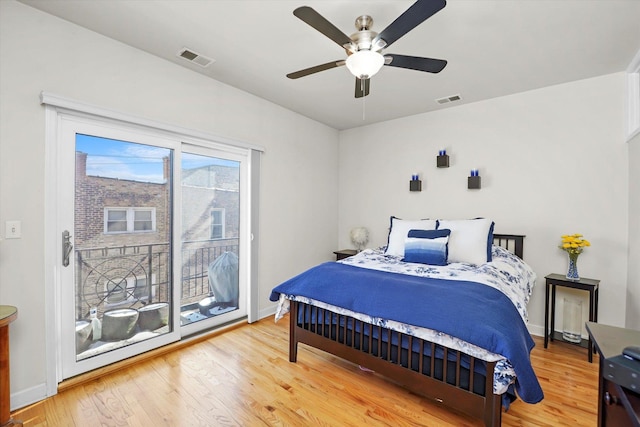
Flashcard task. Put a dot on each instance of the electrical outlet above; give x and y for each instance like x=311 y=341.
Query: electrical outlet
x=13 y=230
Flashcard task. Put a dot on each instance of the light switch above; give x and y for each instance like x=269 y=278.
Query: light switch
x=13 y=230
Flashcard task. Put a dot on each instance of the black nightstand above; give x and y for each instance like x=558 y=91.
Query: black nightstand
x=590 y=285
x=344 y=253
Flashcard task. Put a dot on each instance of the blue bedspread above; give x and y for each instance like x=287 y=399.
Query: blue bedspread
x=471 y=311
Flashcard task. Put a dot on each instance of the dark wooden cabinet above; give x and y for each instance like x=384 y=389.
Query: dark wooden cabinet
x=621 y=406
x=8 y=314
x=617 y=406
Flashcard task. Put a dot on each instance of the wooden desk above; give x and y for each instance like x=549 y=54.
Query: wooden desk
x=617 y=406
x=7 y=315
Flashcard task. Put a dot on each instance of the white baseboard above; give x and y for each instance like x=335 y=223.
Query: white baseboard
x=27 y=397
x=536 y=330
x=266 y=312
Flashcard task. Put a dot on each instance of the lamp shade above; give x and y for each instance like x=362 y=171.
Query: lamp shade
x=365 y=64
x=359 y=237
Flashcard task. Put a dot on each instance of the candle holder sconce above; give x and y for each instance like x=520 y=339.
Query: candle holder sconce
x=415 y=184
x=473 y=181
x=442 y=161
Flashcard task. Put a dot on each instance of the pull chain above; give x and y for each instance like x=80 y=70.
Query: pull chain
x=363 y=98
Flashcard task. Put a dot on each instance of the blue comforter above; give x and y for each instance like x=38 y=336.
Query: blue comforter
x=470 y=311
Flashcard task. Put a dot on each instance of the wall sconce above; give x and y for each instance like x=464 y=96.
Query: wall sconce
x=415 y=184
x=442 y=161
x=473 y=181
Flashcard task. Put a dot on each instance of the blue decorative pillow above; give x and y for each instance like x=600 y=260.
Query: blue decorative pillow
x=427 y=246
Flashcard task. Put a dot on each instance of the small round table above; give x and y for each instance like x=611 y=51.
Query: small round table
x=8 y=314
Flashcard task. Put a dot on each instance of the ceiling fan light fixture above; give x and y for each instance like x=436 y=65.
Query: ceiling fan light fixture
x=364 y=64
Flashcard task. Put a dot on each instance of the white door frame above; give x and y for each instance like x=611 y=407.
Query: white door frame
x=56 y=108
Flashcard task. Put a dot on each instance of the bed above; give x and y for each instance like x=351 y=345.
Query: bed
x=434 y=342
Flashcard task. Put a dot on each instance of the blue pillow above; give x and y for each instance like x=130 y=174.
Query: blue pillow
x=427 y=246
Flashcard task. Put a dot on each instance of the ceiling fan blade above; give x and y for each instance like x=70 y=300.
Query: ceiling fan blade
x=362 y=87
x=429 y=65
x=411 y=18
x=316 y=69
x=317 y=21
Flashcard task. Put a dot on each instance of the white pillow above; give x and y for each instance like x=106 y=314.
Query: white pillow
x=470 y=240
x=400 y=229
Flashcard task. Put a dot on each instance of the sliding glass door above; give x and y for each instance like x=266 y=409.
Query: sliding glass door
x=151 y=230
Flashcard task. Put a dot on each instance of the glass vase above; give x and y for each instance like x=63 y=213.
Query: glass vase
x=572 y=272
x=572 y=320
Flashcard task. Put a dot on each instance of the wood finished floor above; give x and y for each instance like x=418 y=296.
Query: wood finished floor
x=243 y=378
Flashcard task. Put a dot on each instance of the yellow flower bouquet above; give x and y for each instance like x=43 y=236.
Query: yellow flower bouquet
x=573 y=244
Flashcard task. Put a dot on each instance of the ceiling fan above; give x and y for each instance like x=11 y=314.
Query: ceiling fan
x=364 y=48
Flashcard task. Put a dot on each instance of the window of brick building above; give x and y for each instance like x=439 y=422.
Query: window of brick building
x=217 y=224
x=129 y=220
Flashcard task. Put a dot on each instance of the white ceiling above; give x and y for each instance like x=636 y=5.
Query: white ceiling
x=494 y=47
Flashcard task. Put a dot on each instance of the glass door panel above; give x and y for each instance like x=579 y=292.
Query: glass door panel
x=211 y=224
x=121 y=244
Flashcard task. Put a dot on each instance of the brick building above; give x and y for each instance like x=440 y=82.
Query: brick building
x=123 y=231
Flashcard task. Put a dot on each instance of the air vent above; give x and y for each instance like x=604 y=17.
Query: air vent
x=447 y=99
x=195 y=57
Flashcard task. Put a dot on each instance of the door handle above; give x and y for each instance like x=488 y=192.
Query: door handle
x=67 y=247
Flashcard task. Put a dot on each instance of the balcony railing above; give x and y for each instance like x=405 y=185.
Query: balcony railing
x=136 y=275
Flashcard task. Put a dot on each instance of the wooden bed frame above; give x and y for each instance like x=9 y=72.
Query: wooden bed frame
x=454 y=384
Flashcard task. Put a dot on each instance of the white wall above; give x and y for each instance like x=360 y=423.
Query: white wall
x=633 y=290
x=40 y=52
x=553 y=161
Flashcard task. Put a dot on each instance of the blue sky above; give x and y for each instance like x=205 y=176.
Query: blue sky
x=138 y=162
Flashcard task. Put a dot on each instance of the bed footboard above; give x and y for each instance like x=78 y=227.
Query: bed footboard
x=448 y=377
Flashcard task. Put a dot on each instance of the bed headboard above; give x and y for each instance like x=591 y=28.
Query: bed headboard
x=511 y=242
